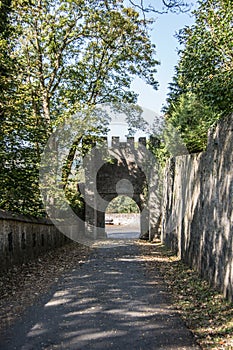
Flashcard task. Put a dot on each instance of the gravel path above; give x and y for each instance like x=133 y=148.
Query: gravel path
x=111 y=300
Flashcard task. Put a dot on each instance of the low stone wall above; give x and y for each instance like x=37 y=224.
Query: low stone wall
x=132 y=219
x=23 y=238
x=197 y=219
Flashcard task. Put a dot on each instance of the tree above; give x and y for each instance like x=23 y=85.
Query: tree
x=15 y=176
x=80 y=52
x=206 y=63
x=6 y=62
x=202 y=86
x=122 y=204
x=163 y=6
x=66 y=54
x=192 y=119
x=18 y=159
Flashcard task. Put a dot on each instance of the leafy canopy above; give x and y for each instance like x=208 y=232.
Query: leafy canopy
x=62 y=56
x=202 y=88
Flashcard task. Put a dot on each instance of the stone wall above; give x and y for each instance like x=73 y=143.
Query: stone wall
x=23 y=238
x=197 y=219
x=129 y=219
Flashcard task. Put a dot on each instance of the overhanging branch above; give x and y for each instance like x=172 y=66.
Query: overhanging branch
x=166 y=6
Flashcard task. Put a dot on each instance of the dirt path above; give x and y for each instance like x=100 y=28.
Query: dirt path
x=111 y=301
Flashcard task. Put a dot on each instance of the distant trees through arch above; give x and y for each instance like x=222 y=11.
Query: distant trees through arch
x=122 y=204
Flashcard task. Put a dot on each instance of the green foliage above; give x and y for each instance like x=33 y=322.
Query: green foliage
x=208 y=55
x=18 y=165
x=202 y=91
x=192 y=119
x=56 y=57
x=122 y=204
x=81 y=52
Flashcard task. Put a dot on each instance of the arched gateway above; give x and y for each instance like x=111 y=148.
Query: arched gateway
x=125 y=168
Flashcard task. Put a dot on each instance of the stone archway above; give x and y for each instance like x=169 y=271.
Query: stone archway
x=120 y=173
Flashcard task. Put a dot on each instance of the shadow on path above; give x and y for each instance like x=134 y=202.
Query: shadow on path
x=110 y=302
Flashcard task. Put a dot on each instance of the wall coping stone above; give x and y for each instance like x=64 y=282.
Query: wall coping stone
x=7 y=215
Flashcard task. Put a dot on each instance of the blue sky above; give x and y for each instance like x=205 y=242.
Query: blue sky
x=162 y=36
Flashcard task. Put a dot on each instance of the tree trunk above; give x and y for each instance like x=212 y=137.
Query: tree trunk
x=46 y=107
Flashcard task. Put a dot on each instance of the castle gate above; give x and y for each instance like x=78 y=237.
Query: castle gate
x=124 y=168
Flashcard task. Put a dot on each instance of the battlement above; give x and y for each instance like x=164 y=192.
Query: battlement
x=115 y=142
x=130 y=142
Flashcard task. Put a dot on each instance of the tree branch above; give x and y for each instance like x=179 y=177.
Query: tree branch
x=59 y=56
x=167 y=5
